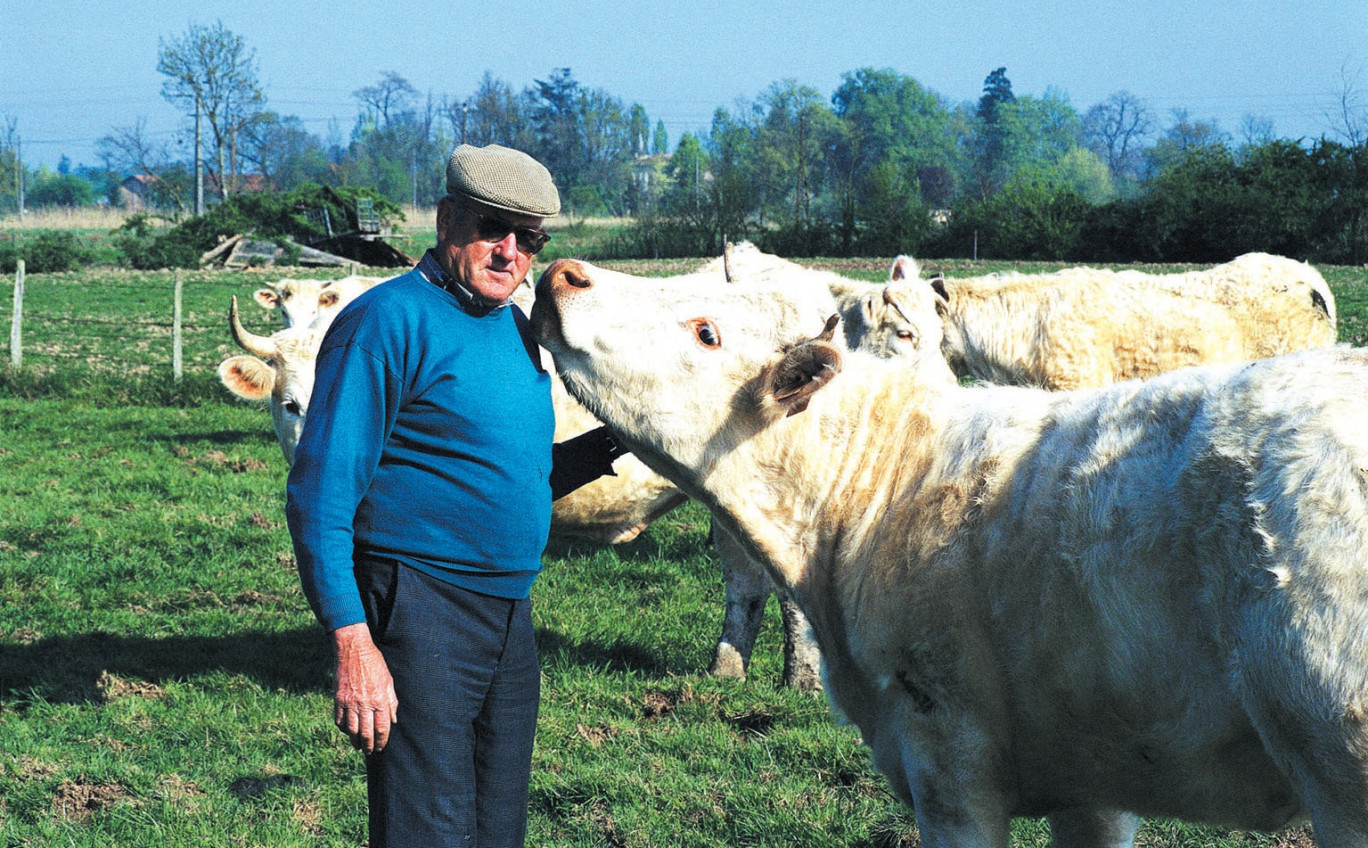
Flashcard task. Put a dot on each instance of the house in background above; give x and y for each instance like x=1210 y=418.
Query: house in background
x=138 y=192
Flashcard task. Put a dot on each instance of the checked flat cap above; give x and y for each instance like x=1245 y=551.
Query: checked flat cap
x=503 y=178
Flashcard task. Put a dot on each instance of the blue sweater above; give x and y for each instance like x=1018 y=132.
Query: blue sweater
x=428 y=442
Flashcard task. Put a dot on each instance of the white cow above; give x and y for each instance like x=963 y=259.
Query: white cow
x=1148 y=599
x=305 y=303
x=1082 y=327
x=278 y=368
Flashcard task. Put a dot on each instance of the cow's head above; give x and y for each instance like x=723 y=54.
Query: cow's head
x=311 y=303
x=902 y=322
x=684 y=374
x=297 y=300
x=278 y=368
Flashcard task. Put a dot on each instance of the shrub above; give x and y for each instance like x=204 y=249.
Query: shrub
x=47 y=251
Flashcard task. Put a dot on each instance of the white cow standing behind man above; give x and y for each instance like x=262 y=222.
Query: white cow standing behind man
x=309 y=303
x=1142 y=600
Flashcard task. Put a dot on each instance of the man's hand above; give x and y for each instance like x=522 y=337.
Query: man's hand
x=364 y=705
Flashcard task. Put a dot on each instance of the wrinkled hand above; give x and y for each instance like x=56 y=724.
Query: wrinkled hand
x=364 y=704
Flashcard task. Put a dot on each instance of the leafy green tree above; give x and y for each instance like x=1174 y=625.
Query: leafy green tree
x=793 y=137
x=639 y=128
x=56 y=189
x=9 y=164
x=496 y=114
x=892 y=216
x=660 y=140
x=990 y=173
x=396 y=146
x=283 y=152
x=736 y=192
x=893 y=129
x=687 y=199
x=1034 y=132
x=1083 y=172
x=1032 y=217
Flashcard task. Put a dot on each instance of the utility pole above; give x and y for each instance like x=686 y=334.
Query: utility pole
x=19 y=173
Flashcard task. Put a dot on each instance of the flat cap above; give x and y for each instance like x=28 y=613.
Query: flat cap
x=503 y=178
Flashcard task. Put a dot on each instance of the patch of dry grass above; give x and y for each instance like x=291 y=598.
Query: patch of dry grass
x=61 y=218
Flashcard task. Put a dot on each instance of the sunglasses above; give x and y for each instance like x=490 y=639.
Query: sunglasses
x=493 y=229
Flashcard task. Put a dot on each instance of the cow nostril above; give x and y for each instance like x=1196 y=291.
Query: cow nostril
x=577 y=280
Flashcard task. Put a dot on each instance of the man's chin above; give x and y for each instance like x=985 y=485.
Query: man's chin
x=497 y=285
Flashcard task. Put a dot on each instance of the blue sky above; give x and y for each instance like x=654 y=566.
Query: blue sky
x=71 y=70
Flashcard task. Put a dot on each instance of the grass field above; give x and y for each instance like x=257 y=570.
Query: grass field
x=163 y=683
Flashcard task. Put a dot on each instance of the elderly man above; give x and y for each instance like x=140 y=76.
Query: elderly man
x=419 y=504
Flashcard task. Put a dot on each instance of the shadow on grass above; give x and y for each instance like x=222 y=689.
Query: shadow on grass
x=556 y=650
x=653 y=545
x=67 y=669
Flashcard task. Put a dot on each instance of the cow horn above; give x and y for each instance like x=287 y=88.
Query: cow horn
x=829 y=331
x=259 y=346
x=726 y=262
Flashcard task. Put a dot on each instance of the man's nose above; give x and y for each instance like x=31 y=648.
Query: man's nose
x=507 y=248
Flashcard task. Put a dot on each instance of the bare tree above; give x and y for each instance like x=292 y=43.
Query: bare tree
x=129 y=149
x=1117 y=128
x=211 y=71
x=1255 y=130
x=1348 y=117
x=387 y=99
x=11 y=165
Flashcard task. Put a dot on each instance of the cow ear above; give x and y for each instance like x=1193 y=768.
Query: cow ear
x=942 y=296
x=867 y=308
x=247 y=377
x=938 y=286
x=266 y=298
x=904 y=268
x=804 y=369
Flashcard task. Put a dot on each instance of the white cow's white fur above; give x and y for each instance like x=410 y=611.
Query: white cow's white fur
x=1082 y=327
x=1145 y=599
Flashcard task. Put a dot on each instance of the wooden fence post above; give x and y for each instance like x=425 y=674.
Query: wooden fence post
x=17 y=319
x=176 y=335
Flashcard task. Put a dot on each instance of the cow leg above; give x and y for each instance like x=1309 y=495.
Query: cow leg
x=802 y=659
x=1079 y=828
x=748 y=588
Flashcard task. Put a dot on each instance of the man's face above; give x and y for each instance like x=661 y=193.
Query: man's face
x=492 y=269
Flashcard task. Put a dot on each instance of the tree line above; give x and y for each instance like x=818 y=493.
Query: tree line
x=884 y=165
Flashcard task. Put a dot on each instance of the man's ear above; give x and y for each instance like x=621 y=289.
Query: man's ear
x=804 y=369
x=446 y=217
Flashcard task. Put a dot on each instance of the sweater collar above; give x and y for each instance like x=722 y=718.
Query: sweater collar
x=470 y=301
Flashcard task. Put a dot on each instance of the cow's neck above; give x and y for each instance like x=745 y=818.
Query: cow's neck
x=804 y=490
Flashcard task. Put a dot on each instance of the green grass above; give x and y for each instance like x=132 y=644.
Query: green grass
x=163 y=683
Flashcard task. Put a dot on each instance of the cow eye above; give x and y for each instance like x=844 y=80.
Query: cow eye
x=906 y=333
x=706 y=333
x=293 y=407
